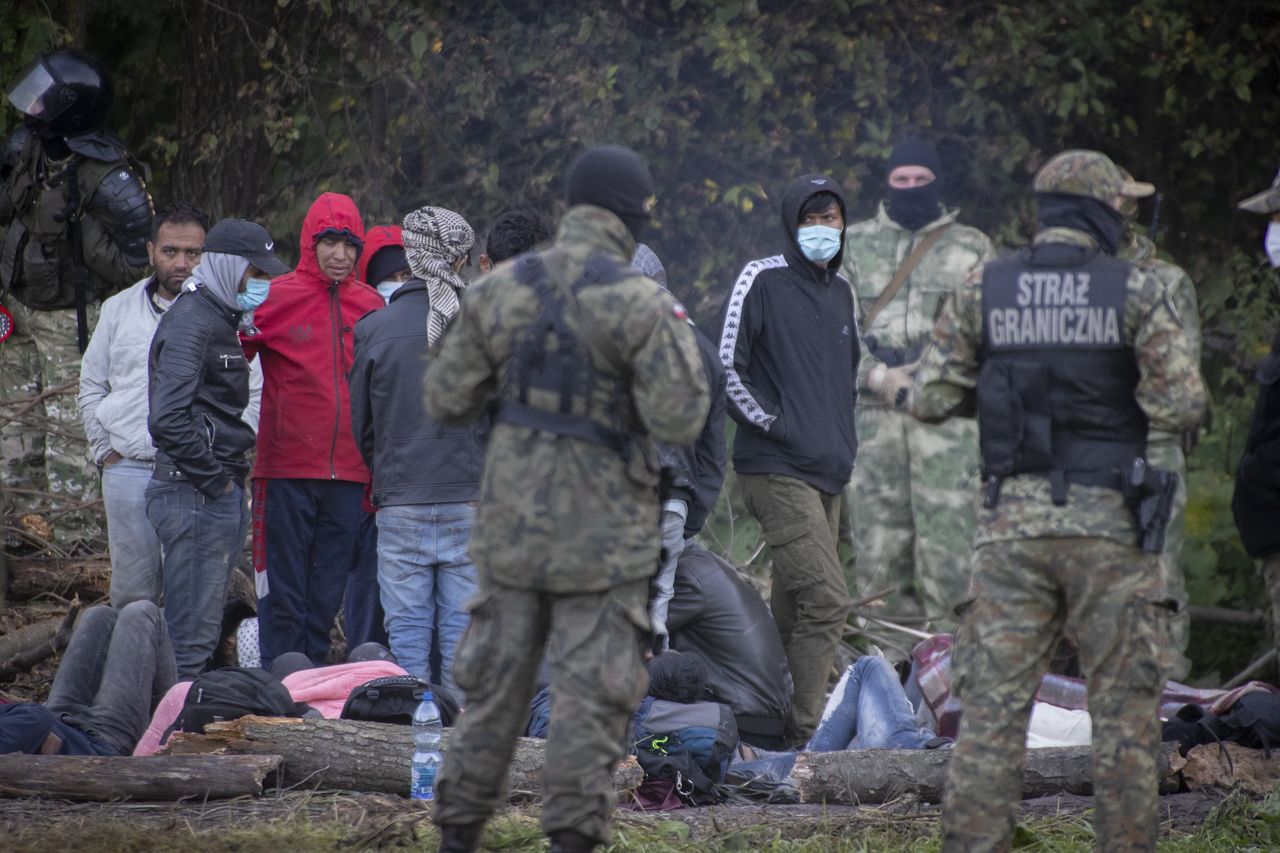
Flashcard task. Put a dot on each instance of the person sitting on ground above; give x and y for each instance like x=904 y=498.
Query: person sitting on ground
x=117 y=664
x=716 y=613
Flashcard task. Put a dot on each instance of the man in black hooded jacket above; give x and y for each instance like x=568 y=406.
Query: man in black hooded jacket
x=789 y=345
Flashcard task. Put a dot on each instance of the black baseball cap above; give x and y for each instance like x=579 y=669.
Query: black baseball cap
x=248 y=240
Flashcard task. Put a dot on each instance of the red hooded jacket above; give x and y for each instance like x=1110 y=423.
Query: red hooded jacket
x=304 y=339
x=376 y=239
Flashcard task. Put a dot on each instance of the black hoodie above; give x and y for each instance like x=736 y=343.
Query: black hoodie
x=789 y=344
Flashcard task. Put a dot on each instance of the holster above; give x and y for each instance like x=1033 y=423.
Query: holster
x=1149 y=493
x=892 y=356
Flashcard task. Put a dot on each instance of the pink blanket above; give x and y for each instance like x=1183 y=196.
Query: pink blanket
x=324 y=688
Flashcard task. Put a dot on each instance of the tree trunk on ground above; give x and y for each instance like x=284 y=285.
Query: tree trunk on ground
x=90 y=579
x=22 y=649
x=357 y=756
x=864 y=776
x=159 y=777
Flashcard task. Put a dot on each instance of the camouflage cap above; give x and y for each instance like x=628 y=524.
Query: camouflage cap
x=1267 y=201
x=1090 y=174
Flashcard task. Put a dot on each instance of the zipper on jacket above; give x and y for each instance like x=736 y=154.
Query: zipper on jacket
x=335 y=328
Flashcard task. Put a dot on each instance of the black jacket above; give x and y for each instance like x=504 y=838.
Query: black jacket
x=789 y=345
x=694 y=474
x=414 y=459
x=1256 y=502
x=198 y=386
x=716 y=613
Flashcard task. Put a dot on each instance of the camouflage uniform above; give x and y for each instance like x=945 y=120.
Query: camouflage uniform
x=1041 y=569
x=566 y=533
x=1164 y=449
x=911 y=494
x=42 y=442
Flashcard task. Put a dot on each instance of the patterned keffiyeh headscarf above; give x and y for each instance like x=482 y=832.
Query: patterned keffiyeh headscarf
x=434 y=239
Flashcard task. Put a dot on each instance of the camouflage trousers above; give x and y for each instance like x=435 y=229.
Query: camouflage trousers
x=808 y=596
x=42 y=441
x=1027 y=593
x=1167 y=454
x=593 y=644
x=912 y=503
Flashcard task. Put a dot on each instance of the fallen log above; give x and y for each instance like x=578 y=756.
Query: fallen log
x=867 y=776
x=356 y=756
x=34 y=576
x=157 y=777
x=22 y=649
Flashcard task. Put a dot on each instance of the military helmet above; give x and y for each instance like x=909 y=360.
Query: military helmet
x=66 y=91
x=1267 y=201
x=1091 y=174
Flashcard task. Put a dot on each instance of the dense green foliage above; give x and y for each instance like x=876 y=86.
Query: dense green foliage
x=251 y=107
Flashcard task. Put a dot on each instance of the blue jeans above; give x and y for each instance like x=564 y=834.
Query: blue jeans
x=116 y=668
x=201 y=538
x=868 y=710
x=426 y=579
x=134 y=545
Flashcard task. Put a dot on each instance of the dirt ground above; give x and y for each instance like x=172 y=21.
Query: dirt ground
x=383 y=818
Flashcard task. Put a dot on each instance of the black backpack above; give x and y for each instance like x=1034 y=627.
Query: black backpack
x=393 y=698
x=230 y=693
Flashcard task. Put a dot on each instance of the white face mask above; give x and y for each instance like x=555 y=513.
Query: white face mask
x=387 y=288
x=1272 y=243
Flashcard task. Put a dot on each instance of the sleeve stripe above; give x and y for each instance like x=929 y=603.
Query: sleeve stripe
x=737 y=391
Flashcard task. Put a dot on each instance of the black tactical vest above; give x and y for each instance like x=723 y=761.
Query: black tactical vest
x=1056 y=388
x=550 y=382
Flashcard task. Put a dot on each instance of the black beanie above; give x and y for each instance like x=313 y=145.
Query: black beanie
x=914 y=151
x=385 y=263
x=615 y=178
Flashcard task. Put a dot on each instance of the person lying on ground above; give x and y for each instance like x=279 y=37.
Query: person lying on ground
x=115 y=667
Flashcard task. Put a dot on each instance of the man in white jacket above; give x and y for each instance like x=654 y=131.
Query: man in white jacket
x=113 y=399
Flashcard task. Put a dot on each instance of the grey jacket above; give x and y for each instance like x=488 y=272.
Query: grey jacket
x=113 y=377
x=414 y=458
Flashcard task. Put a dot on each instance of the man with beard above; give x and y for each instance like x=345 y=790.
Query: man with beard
x=911 y=495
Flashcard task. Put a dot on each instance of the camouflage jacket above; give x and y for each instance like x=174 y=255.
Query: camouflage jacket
x=1170 y=392
x=1179 y=290
x=873 y=251
x=559 y=514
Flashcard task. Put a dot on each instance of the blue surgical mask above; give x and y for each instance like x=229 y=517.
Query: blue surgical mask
x=819 y=242
x=254 y=294
x=387 y=288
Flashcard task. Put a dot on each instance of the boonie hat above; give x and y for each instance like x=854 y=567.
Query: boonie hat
x=1267 y=201
x=1088 y=173
x=248 y=240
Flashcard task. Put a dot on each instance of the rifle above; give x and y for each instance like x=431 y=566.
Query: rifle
x=1155 y=218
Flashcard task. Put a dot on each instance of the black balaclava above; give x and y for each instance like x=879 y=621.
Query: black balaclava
x=1096 y=218
x=615 y=178
x=916 y=207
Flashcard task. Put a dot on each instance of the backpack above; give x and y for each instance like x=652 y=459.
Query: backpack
x=687 y=745
x=1253 y=721
x=230 y=693
x=393 y=699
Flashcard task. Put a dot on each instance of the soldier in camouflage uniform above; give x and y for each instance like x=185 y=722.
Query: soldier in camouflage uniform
x=590 y=362
x=60 y=167
x=1068 y=356
x=1165 y=449
x=911 y=494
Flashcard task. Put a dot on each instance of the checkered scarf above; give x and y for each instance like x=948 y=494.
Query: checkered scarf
x=434 y=239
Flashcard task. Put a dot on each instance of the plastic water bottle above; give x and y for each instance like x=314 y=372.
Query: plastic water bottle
x=427 y=732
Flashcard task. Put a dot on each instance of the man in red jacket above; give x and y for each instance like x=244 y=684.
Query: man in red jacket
x=311 y=531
